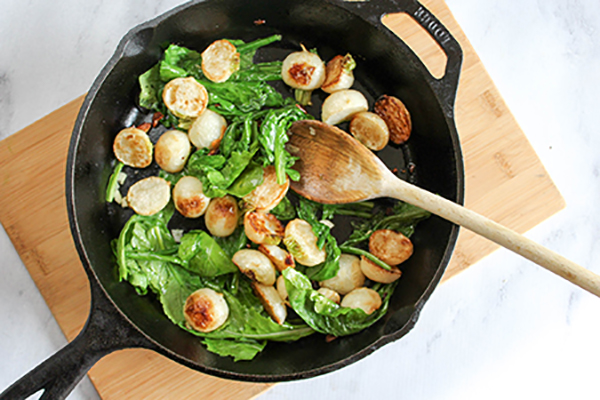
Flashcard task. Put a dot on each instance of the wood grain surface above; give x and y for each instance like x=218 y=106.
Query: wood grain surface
x=504 y=181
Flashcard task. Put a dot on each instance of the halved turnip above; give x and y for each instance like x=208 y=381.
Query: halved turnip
x=370 y=129
x=303 y=70
x=342 y=105
x=339 y=74
x=133 y=147
x=349 y=276
x=220 y=60
x=185 y=97
x=255 y=265
x=301 y=242
x=207 y=130
x=268 y=194
x=330 y=294
x=263 y=228
x=205 y=310
x=364 y=298
x=222 y=216
x=389 y=246
x=377 y=274
x=271 y=301
x=278 y=256
x=172 y=151
x=148 y=196
x=189 y=197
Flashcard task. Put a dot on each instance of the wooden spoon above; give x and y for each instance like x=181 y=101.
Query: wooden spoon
x=336 y=168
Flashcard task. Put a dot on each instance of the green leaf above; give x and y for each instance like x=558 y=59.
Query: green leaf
x=234 y=242
x=360 y=252
x=150 y=88
x=248 y=50
x=220 y=175
x=180 y=62
x=247 y=181
x=325 y=316
x=230 y=138
x=293 y=174
x=172 y=178
x=113 y=182
x=273 y=137
x=284 y=210
x=240 y=350
x=268 y=71
x=203 y=255
x=145 y=235
x=169 y=72
x=180 y=285
x=200 y=161
x=237 y=98
x=236 y=164
x=403 y=218
x=361 y=209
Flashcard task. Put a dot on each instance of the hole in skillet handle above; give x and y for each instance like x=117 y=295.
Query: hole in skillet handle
x=420 y=42
x=105 y=331
x=380 y=13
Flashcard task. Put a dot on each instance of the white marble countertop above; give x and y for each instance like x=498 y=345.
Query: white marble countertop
x=505 y=328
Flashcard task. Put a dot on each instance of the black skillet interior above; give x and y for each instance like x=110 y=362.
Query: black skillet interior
x=431 y=159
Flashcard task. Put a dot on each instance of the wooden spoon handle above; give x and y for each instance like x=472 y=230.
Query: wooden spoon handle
x=495 y=232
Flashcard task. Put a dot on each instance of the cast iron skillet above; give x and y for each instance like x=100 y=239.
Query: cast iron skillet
x=119 y=318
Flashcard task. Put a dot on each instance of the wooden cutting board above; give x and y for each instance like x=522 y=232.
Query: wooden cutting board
x=504 y=181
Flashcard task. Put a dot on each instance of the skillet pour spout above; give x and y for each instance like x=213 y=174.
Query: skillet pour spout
x=119 y=317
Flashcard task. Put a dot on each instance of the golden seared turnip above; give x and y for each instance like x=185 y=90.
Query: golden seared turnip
x=268 y=194
x=172 y=151
x=301 y=242
x=133 y=147
x=281 y=289
x=220 y=60
x=396 y=116
x=255 y=265
x=370 y=129
x=377 y=274
x=330 y=294
x=205 y=310
x=349 y=276
x=339 y=74
x=389 y=246
x=271 y=301
x=149 y=195
x=222 y=216
x=207 y=130
x=278 y=256
x=263 y=228
x=185 y=97
x=364 y=298
x=303 y=70
x=342 y=105
x=189 y=197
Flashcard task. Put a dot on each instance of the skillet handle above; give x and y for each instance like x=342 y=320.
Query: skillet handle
x=105 y=331
x=446 y=86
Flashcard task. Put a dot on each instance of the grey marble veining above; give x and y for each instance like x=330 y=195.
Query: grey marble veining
x=502 y=329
